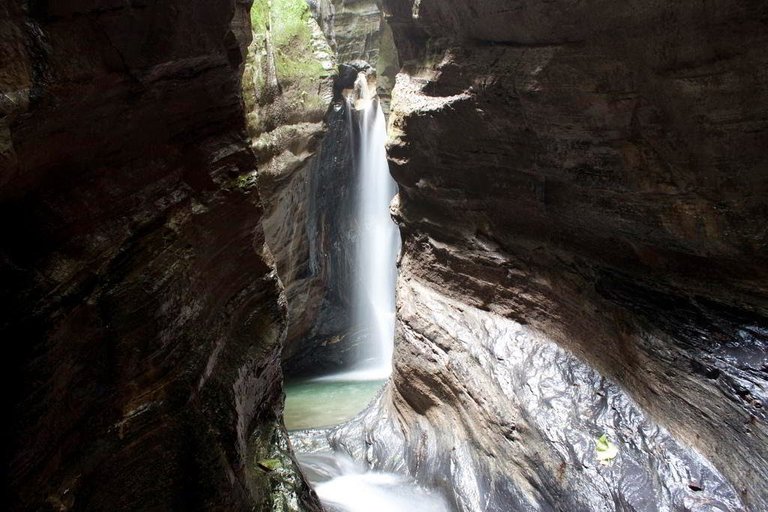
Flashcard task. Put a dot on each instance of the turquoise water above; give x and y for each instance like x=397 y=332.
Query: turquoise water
x=322 y=404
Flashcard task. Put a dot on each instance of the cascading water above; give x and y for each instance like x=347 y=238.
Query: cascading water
x=347 y=486
x=374 y=294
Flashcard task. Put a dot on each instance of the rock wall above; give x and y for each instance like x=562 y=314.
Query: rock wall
x=310 y=222
x=356 y=30
x=352 y=27
x=595 y=173
x=303 y=192
x=497 y=417
x=141 y=313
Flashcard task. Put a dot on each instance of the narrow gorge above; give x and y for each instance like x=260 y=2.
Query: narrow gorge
x=384 y=255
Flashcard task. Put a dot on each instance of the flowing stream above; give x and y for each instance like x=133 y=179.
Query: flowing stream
x=344 y=485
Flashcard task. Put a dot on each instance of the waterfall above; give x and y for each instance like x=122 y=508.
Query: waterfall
x=377 y=241
x=374 y=293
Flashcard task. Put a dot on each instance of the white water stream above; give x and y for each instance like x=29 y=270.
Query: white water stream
x=347 y=486
x=377 y=246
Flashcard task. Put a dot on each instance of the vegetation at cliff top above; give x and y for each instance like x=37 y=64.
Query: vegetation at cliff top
x=287 y=21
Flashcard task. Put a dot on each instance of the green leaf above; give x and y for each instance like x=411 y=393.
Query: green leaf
x=606 y=450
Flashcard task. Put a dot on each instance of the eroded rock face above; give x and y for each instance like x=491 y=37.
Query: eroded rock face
x=357 y=31
x=353 y=27
x=311 y=224
x=498 y=417
x=291 y=129
x=596 y=173
x=142 y=316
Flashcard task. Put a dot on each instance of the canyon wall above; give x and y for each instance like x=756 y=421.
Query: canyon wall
x=356 y=30
x=141 y=312
x=588 y=177
x=288 y=89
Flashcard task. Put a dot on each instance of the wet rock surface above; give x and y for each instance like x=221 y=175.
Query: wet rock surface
x=323 y=207
x=596 y=174
x=141 y=312
x=500 y=418
x=304 y=151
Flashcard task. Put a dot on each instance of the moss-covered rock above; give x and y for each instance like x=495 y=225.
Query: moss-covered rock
x=288 y=67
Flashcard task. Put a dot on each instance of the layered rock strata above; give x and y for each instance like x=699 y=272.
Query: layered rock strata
x=356 y=30
x=594 y=174
x=352 y=27
x=140 y=307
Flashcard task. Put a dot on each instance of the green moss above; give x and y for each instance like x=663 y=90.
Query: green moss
x=289 y=18
x=284 y=80
x=288 y=22
x=269 y=464
x=294 y=70
x=246 y=181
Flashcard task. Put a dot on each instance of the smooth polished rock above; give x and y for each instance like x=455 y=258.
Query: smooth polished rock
x=499 y=417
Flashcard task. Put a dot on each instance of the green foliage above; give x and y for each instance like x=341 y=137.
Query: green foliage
x=259 y=16
x=291 y=36
x=291 y=69
x=289 y=18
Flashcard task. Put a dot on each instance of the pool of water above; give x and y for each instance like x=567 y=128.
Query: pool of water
x=341 y=483
x=323 y=403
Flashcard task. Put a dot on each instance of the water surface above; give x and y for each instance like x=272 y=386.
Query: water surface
x=321 y=403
